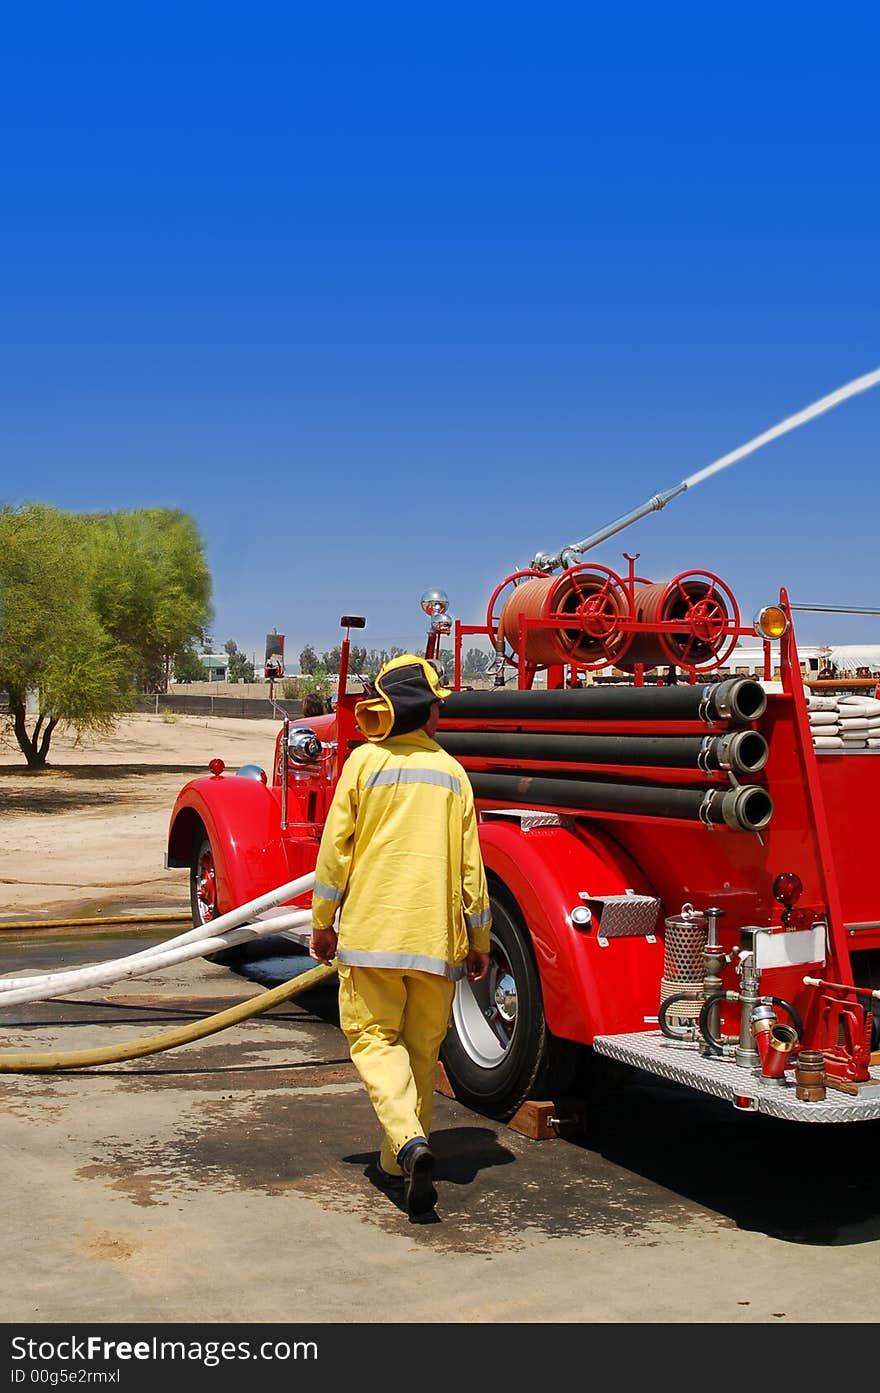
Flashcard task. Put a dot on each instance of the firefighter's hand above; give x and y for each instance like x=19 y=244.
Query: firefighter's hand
x=477 y=965
x=322 y=945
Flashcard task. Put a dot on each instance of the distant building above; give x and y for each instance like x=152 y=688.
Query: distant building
x=215 y=665
x=747 y=660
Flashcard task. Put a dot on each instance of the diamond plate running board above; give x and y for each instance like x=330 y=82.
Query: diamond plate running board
x=680 y=1062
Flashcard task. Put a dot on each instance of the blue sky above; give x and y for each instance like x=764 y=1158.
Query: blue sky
x=394 y=296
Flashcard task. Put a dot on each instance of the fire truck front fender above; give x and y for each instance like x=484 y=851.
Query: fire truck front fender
x=588 y=989
x=241 y=818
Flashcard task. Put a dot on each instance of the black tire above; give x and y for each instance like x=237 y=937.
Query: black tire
x=498 y=1051
x=205 y=907
x=203 y=895
x=202 y=882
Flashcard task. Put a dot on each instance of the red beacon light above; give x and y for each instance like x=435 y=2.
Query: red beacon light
x=216 y=767
x=787 y=889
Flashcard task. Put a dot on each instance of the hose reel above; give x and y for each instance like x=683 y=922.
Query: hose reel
x=586 y=605
x=704 y=608
x=589 y=615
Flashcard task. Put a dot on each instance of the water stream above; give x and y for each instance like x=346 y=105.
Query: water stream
x=546 y=561
x=800 y=418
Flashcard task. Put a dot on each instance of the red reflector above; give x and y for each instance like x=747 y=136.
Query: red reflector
x=216 y=766
x=787 y=887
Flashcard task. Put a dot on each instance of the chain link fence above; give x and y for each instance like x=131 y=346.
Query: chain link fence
x=194 y=704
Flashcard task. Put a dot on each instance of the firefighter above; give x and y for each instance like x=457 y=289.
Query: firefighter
x=400 y=864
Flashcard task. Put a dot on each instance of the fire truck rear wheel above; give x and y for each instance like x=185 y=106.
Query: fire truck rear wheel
x=203 y=892
x=498 y=1051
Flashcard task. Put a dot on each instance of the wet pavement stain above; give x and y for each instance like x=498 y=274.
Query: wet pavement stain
x=255 y=1119
x=39 y=1105
x=489 y=1195
x=647 y=1165
x=143 y=1182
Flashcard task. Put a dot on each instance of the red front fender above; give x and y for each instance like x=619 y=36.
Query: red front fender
x=241 y=818
x=588 y=989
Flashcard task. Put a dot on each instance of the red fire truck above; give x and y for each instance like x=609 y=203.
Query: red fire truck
x=680 y=880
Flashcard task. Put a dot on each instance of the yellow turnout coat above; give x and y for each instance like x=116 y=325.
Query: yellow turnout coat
x=400 y=860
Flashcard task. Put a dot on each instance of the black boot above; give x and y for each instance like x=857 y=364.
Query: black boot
x=418 y=1171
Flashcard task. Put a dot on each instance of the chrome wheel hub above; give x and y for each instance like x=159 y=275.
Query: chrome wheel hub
x=505 y=997
x=484 y=1013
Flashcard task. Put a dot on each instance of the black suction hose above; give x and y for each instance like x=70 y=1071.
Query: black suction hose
x=740 y=699
x=746 y=808
x=743 y=751
x=704 y=1020
x=793 y=1014
x=671 y=1032
x=723 y=996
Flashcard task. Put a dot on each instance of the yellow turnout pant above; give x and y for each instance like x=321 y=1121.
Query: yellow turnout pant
x=394 y=1021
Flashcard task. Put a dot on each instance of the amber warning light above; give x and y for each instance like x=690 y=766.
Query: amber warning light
x=771 y=622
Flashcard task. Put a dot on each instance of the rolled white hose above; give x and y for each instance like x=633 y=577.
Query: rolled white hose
x=136 y=964
x=210 y=929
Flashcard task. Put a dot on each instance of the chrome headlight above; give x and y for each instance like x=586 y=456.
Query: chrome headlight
x=303 y=745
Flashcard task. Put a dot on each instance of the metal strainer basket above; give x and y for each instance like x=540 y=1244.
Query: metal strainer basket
x=684 y=963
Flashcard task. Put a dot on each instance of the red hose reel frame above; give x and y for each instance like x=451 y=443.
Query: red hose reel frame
x=593 y=618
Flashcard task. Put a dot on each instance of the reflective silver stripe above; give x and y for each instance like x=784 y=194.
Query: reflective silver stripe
x=414 y=776
x=412 y=962
x=476 y=921
x=327 y=892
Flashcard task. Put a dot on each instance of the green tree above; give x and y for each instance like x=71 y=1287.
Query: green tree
x=152 y=587
x=188 y=665
x=319 y=683
x=474 y=662
x=308 y=659
x=377 y=657
x=240 y=668
x=57 y=660
x=331 y=660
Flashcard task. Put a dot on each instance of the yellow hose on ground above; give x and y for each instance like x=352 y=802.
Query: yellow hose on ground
x=169 y=1039
x=145 y=918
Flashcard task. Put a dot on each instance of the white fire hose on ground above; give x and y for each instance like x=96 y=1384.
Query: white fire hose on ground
x=198 y=941
x=209 y=937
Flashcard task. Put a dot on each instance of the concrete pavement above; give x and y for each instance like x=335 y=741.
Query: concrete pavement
x=224 y=1181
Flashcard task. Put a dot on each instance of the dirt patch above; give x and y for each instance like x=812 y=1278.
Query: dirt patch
x=88 y=834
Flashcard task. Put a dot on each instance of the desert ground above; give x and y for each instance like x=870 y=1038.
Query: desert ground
x=86 y=836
